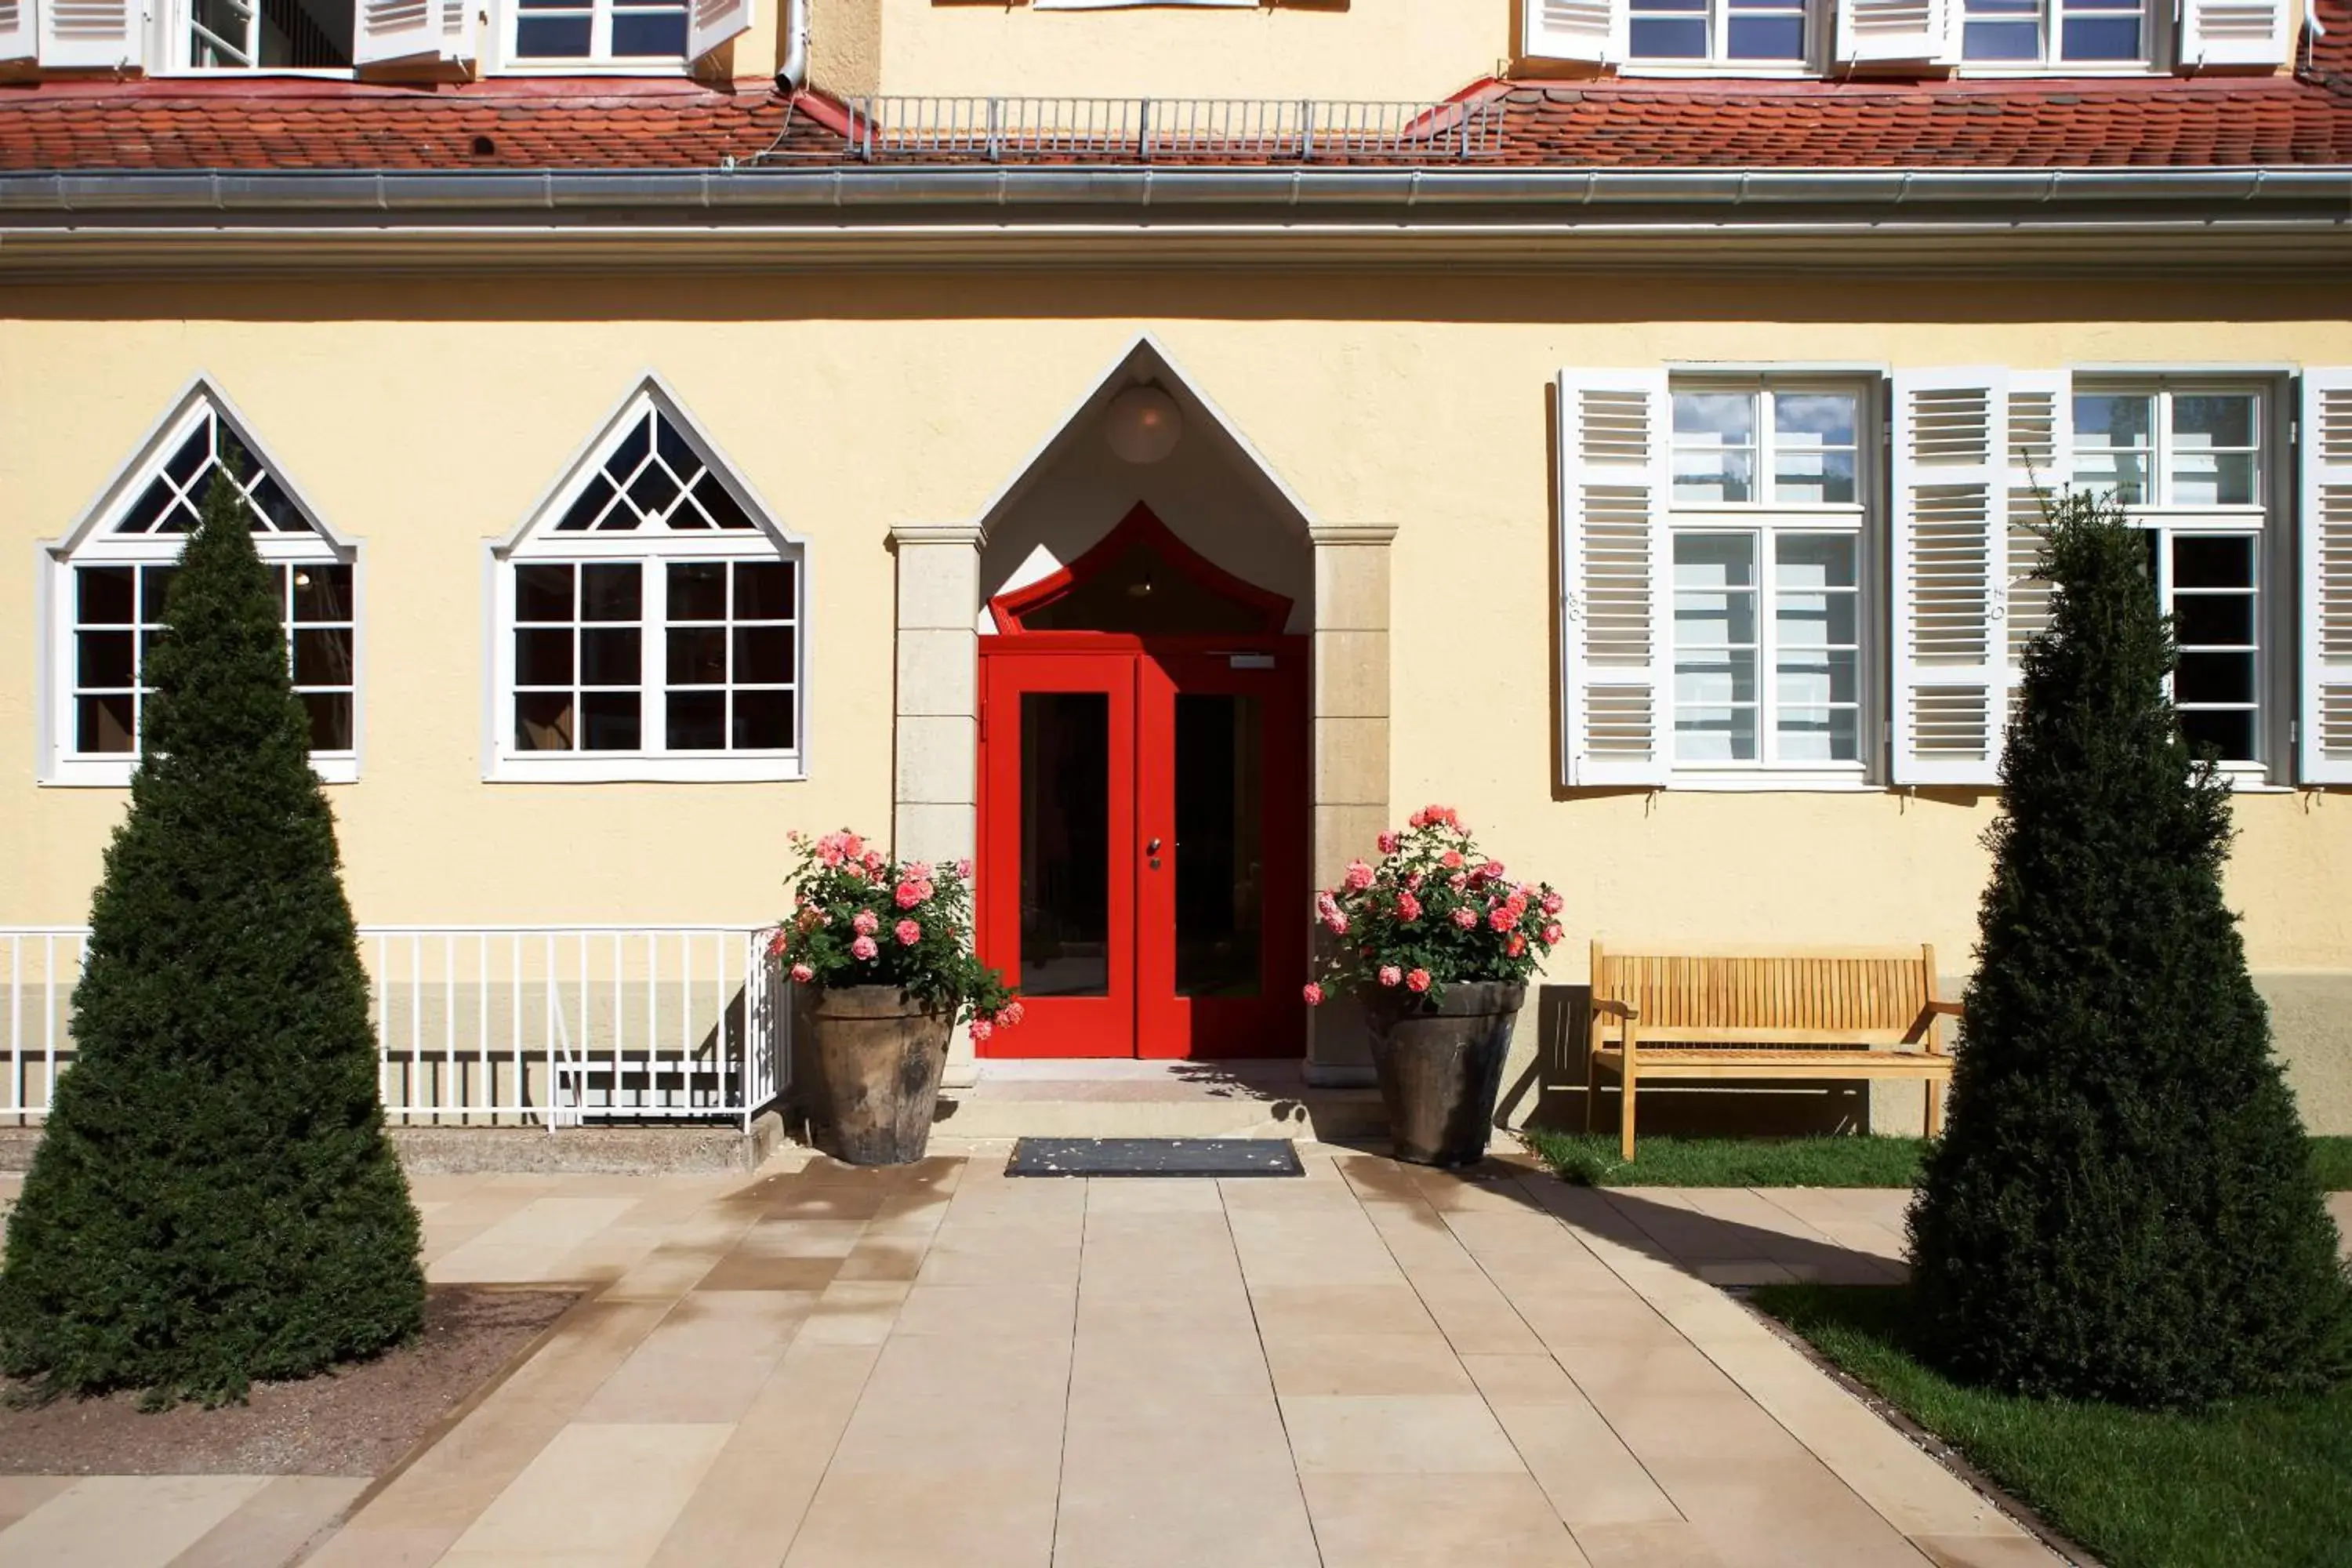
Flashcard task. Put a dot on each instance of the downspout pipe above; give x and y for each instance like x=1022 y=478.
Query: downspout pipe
x=792 y=75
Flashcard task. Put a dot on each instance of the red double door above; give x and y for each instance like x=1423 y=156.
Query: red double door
x=1143 y=843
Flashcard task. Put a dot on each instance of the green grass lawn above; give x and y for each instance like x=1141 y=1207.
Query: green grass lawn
x=1589 y=1160
x=2266 y=1482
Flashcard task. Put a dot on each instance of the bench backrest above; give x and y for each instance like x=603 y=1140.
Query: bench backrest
x=1862 y=996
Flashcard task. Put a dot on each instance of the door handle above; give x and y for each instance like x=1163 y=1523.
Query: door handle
x=1152 y=848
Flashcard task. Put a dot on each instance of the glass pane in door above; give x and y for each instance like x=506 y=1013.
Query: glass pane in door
x=1220 y=854
x=1065 y=844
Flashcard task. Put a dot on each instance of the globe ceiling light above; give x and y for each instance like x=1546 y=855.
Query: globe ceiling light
x=1143 y=425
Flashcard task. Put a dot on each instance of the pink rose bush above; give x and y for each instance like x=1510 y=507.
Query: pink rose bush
x=1435 y=911
x=847 y=895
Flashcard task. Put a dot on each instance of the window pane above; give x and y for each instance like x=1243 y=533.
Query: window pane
x=609 y=721
x=323 y=657
x=1705 y=734
x=2227 y=733
x=1065 y=844
x=322 y=592
x=1765 y=39
x=698 y=656
x=1715 y=581
x=610 y=657
x=543 y=722
x=2213 y=561
x=1819 y=735
x=698 y=591
x=2206 y=419
x=543 y=658
x=1995 y=42
x=2213 y=478
x=155 y=592
x=763 y=655
x=717 y=504
x=763 y=720
x=1714 y=446
x=2094 y=39
x=543 y=593
x=763 y=591
x=1729 y=418
x=105 y=725
x=330 y=720
x=2111 y=444
x=105 y=595
x=2213 y=441
x=2214 y=678
x=1810 y=679
x=1664 y=39
x=697 y=721
x=105 y=659
x=611 y=593
x=588 y=507
x=654 y=34
x=1803 y=478
x=552 y=37
x=2225 y=620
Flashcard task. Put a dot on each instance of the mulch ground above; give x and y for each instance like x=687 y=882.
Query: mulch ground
x=356 y=1421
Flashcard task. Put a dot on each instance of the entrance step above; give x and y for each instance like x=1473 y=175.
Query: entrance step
x=1155 y=1100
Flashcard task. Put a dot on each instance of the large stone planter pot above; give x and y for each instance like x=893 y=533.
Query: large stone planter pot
x=878 y=1055
x=1441 y=1066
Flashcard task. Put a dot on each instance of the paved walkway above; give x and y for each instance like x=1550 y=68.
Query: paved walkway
x=819 y=1367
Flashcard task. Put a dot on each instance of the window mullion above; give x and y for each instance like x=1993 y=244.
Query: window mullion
x=653 y=648
x=1768 y=637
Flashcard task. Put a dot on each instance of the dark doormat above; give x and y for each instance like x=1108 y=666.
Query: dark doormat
x=1154 y=1157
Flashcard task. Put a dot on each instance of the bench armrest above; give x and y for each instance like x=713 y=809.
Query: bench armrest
x=1928 y=1017
x=1615 y=1008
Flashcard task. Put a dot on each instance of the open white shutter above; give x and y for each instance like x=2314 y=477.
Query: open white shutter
x=2234 y=33
x=710 y=23
x=1895 y=29
x=1574 y=29
x=1951 y=534
x=2041 y=461
x=18 y=39
x=1614 y=577
x=88 y=32
x=2324 y=604
x=389 y=30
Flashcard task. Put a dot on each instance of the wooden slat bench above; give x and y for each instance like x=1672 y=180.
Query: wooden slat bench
x=1815 y=1013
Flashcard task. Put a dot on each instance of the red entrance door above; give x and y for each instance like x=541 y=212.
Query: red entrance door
x=1143 y=832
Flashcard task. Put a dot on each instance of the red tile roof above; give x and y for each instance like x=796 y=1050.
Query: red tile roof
x=602 y=123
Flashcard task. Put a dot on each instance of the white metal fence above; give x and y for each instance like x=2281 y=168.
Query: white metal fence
x=1144 y=129
x=491 y=1025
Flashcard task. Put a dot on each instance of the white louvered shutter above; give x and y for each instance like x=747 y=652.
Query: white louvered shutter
x=2324 y=604
x=1895 y=29
x=1615 y=693
x=18 y=39
x=1575 y=29
x=710 y=23
x=1951 y=534
x=389 y=30
x=2041 y=461
x=2234 y=33
x=88 y=32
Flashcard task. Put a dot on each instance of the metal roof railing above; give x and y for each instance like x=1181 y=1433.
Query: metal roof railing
x=1151 y=130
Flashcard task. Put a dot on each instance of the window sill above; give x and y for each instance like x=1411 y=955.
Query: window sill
x=109 y=773
x=221 y=73
x=1731 y=69
x=665 y=68
x=1966 y=70
x=622 y=768
x=1773 y=782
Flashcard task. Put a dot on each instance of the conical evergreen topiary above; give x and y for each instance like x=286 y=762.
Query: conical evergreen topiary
x=216 y=1201
x=2123 y=1207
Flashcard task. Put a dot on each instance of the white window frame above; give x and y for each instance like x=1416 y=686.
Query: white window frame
x=598 y=60
x=537 y=543
x=1766 y=519
x=173 y=45
x=2265 y=521
x=2155 y=58
x=93 y=543
x=1820 y=20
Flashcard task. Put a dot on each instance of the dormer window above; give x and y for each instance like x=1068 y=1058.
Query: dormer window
x=592 y=32
x=269 y=34
x=1717 y=32
x=2099 y=33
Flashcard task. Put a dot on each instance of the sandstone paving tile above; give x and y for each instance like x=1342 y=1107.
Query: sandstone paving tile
x=1722 y=1274
x=662 y=1275
x=885 y=1257
x=274 y=1524
x=1475 y=1315
x=979 y=1518
x=20 y=1494
x=1375 y=1178
x=1118 y=1367
x=1411 y=1521
x=742 y=1271
x=451 y=1482
x=2015 y=1550
x=1619 y=1326
x=1589 y=1474
x=935 y=1404
x=529 y=1244
x=1383 y=1309
x=1668 y=1545
x=971 y=1311
x=1365 y=1364
x=1772 y=1510
x=1160 y=1509
x=1695 y=1429
x=1586 y=1211
x=1261 y=1194
x=756 y=1492
x=987 y=1258
x=1480 y=1191
x=1173 y=1194
x=1522 y=1379
x=706 y=1360
x=599 y=1493
x=359 y=1546
x=855 y=1312
x=1147 y=1227
x=1113 y=1303
x=124 y=1521
x=1397 y=1434
x=801 y=1237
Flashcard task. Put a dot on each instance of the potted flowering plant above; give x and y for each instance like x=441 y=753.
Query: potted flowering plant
x=881 y=950
x=1438 y=940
